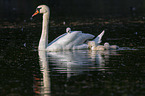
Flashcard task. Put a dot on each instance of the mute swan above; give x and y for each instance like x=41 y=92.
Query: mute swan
x=110 y=47
x=69 y=40
x=68 y=30
x=106 y=46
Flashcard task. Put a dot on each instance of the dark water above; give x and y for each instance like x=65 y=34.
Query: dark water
x=27 y=72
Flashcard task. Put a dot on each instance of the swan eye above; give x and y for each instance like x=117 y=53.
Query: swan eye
x=39 y=9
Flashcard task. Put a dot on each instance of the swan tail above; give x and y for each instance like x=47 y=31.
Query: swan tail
x=98 y=38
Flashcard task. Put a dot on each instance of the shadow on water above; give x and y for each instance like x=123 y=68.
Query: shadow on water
x=27 y=72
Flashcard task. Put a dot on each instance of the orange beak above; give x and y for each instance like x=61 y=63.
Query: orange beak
x=35 y=13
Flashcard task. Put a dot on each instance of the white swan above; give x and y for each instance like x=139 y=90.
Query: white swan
x=106 y=46
x=69 y=40
x=68 y=30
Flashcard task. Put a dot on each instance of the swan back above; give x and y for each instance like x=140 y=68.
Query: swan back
x=69 y=41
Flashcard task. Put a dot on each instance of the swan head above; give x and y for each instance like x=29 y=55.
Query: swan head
x=107 y=46
x=41 y=9
x=68 y=30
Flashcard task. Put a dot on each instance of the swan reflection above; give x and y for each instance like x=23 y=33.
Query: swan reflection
x=71 y=63
x=44 y=68
x=78 y=61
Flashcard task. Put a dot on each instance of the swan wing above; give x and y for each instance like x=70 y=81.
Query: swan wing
x=98 y=38
x=68 y=41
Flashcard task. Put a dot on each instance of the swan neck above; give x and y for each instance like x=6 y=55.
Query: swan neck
x=45 y=23
x=44 y=35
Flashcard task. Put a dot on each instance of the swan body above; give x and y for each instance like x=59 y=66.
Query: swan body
x=73 y=40
x=69 y=40
x=106 y=46
x=110 y=47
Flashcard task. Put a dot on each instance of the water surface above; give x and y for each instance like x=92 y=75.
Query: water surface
x=25 y=71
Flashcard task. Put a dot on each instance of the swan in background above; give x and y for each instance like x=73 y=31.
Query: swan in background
x=69 y=40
